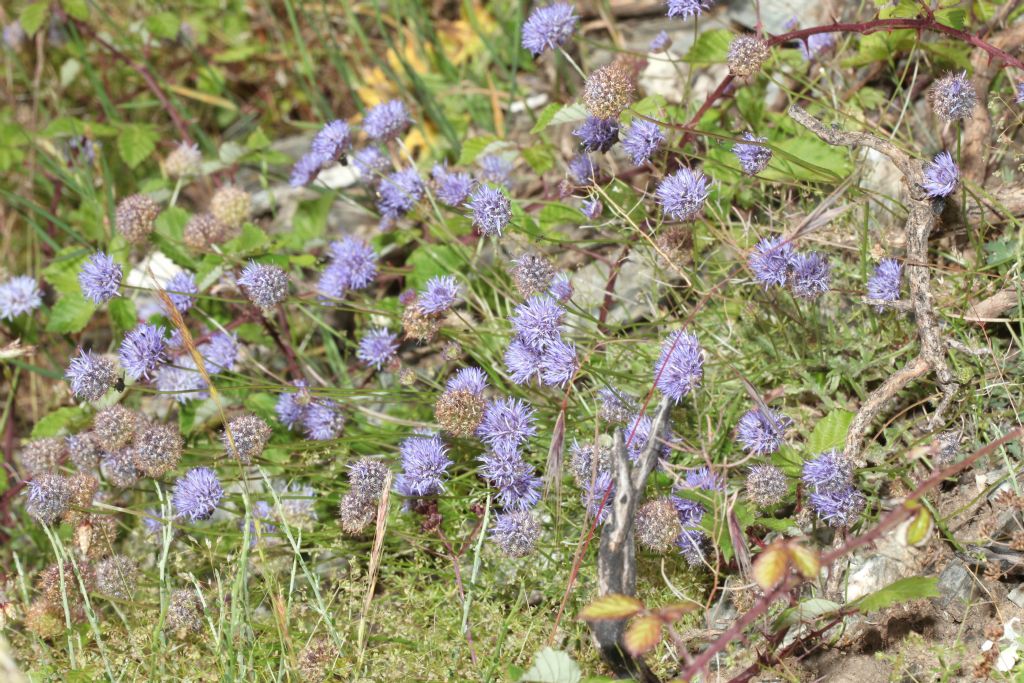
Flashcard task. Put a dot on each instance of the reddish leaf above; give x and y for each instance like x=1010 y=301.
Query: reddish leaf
x=613 y=606
x=770 y=567
x=806 y=561
x=642 y=635
x=675 y=611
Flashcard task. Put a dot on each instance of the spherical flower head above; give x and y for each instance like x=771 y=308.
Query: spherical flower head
x=558 y=363
x=114 y=427
x=353 y=265
x=231 y=205
x=399 y=192
x=680 y=366
x=387 y=121
x=616 y=406
x=829 y=471
x=322 y=420
x=90 y=376
x=693 y=545
x=100 y=277
x=157 y=450
x=184 y=161
x=953 y=97
x=371 y=162
x=41 y=455
x=772 y=261
x=84 y=450
x=425 y=465
x=760 y=431
x=588 y=460
x=440 y=294
x=331 y=141
x=490 y=209
x=248 y=437
x=119 y=469
x=135 y=217
x=838 y=508
x=418 y=325
x=142 y=350
x=941 y=176
x=219 y=353
x=459 y=412
x=472 y=380
x=47 y=497
x=597 y=135
x=753 y=157
x=292 y=404
x=610 y=89
x=515 y=532
x=682 y=194
x=548 y=27
x=451 y=188
x=594 y=492
x=766 y=485
x=507 y=424
x=687 y=9
x=537 y=321
x=747 y=53
x=14 y=34
x=184 y=613
x=661 y=43
x=816 y=44
x=366 y=478
x=202 y=230
x=532 y=274
x=116 y=577
x=642 y=140
x=657 y=526
x=704 y=478
x=516 y=480
x=265 y=285
x=582 y=169
x=197 y=494
x=182 y=289
x=812 y=275
x=561 y=287
x=306 y=169
x=356 y=513
x=884 y=285
x=1020 y=93
x=592 y=208
x=522 y=361
x=181 y=380
x=20 y=294
x=377 y=347
x=495 y=169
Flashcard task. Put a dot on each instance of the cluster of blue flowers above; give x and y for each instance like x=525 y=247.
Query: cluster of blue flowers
x=775 y=263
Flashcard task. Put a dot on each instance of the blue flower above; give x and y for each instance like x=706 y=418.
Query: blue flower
x=884 y=285
x=687 y=8
x=306 y=169
x=704 y=478
x=197 y=494
x=537 y=321
x=558 y=362
x=516 y=532
x=353 y=265
x=642 y=140
x=494 y=169
x=90 y=376
x=181 y=380
x=387 y=121
x=472 y=380
x=332 y=141
x=399 y=192
x=941 y=176
x=291 y=404
x=829 y=471
x=219 y=353
x=377 y=347
x=516 y=480
x=680 y=366
x=322 y=420
x=839 y=508
x=816 y=44
x=371 y=162
x=593 y=493
x=693 y=545
x=561 y=287
x=592 y=208
x=181 y=290
x=522 y=362
x=682 y=194
x=548 y=27
x=265 y=285
x=425 y=466
x=20 y=294
x=100 y=277
x=439 y=295
x=597 y=135
x=582 y=169
x=753 y=157
x=811 y=275
x=772 y=261
x=1020 y=93
x=660 y=43
x=142 y=350
x=452 y=188
x=491 y=210
x=760 y=431
x=507 y=423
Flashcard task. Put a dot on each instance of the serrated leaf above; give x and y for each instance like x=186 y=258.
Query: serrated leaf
x=60 y=421
x=555 y=214
x=552 y=666
x=32 y=16
x=122 y=313
x=539 y=157
x=135 y=143
x=250 y=240
x=62 y=271
x=474 y=147
x=920 y=527
x=310 y=221
x=569 y=114
x=806 y=561
x=954 y=17
x=642 y=635
x=70 y=314
x=770 y=567
x=77 y=9
x=711 y=47
x=904 y=590
x=545 y=117
x=830 y=432
x=612 y=606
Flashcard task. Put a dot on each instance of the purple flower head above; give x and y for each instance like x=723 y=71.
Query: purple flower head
x=753 y=157
x=838 y=508
x=682 y=194
x=494 y=169
x=680 y=366
x=353 y=265
x=816 y=44
x=322 y=420
x=561 y=287
x=142 y=350
x=593 y=494
x=100 y=277
x=452 y=188
x=690 y=512
x=1020 y=93
x=884 y=285
x=830 y=471
x=90 y=376
x=638 y=433
x=181 y=380
x=48 y=497
x=291 y=405
x=592 y=208
x=377 y=347
x=661 y=42
x=642 y=140
x=522 y=361
x=306 y=169
x=953 y=97
x=548 y=27
x=516 y=480
x=941 y=176
x=332 y=141
x=558 y=363
x=371 y=162
x=399 y=192
x=14 y=35
x=687 y=9
x=424 y=466
x=472 y=380
x=705 y=479
x=516 y=533
x=693 y=544
x=20 y=294
x=582 y=169
x=265 y=285
x=387 y=121
x=616 y=406
x=811 y=275
x=760 y=432
x=439 y=295
x=181 y=290
x=197 y=494
x=219 y=353
x=771 y=261
x=507 y=423
x=491 y=209
x=537 y=321
x=597 y=135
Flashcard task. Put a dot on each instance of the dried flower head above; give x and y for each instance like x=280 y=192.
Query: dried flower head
x=680 y=366
x=760 y=431
x=597 y=135
x=657 y=525
x=115 y=426
x=47 y=497
x=491 y=210
x=377 y=347
x=693 y=546
x=766 y=485
x=459 y=412
x=90 y=376
x=587 y=460
x=316 y=659
x=157 y=450
x=753 y=157
x=366 y=478
x=231 y=205
x=116 y=577
x=953 y=97
x=249 y=436
x=387 y=121
x=323 y=420
x=884 y=285
x=197 y=494
x=812 y=275
x=100 y=277
x=418 y=325
x=142 y=350
x=119 y=469
x=747 y=52
x=184 y=614
x=202 y=230
x=184 y=161
x=642 y=139
x=84 y=450
x=516 y=532
x=941 y=176
x=549 y=27
x=609 y=89
x=135 y=217
x=19 y=294
x=682 y=194
x=265 y=285
x=356 y=513
x=532 y=274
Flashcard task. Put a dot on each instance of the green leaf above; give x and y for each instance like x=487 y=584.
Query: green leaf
x=711 y=47
x=62 y=271
x=552 y=666
x=830 y=432
x=904 y=590
x=881 y=47
x=474 y=147
x=77 y=9
x=569 y=114
x=555 y=214
x=539 y=157
x=545 y=117
x=70 y=314
x=163 y=25
x=808 y=610
x=435 y=259
x=310 y=221
x=32 y=16
x=954 y=17
x=122 y=313
x=250 y=240
x=61 y=421
x=808 y=158
x=135 y=143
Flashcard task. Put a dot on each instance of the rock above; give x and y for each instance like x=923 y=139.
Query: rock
x=775 y=13
x=1016 y=596
x=956 y=587
x=637 y=288
x=888 y=562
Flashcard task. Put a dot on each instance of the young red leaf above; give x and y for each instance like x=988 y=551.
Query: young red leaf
x=642 y=635
x=613 y=606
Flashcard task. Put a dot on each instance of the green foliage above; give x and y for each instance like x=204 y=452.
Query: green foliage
x=70 y=314
x=903 y=590
x=830 y=432
x=136 y=142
